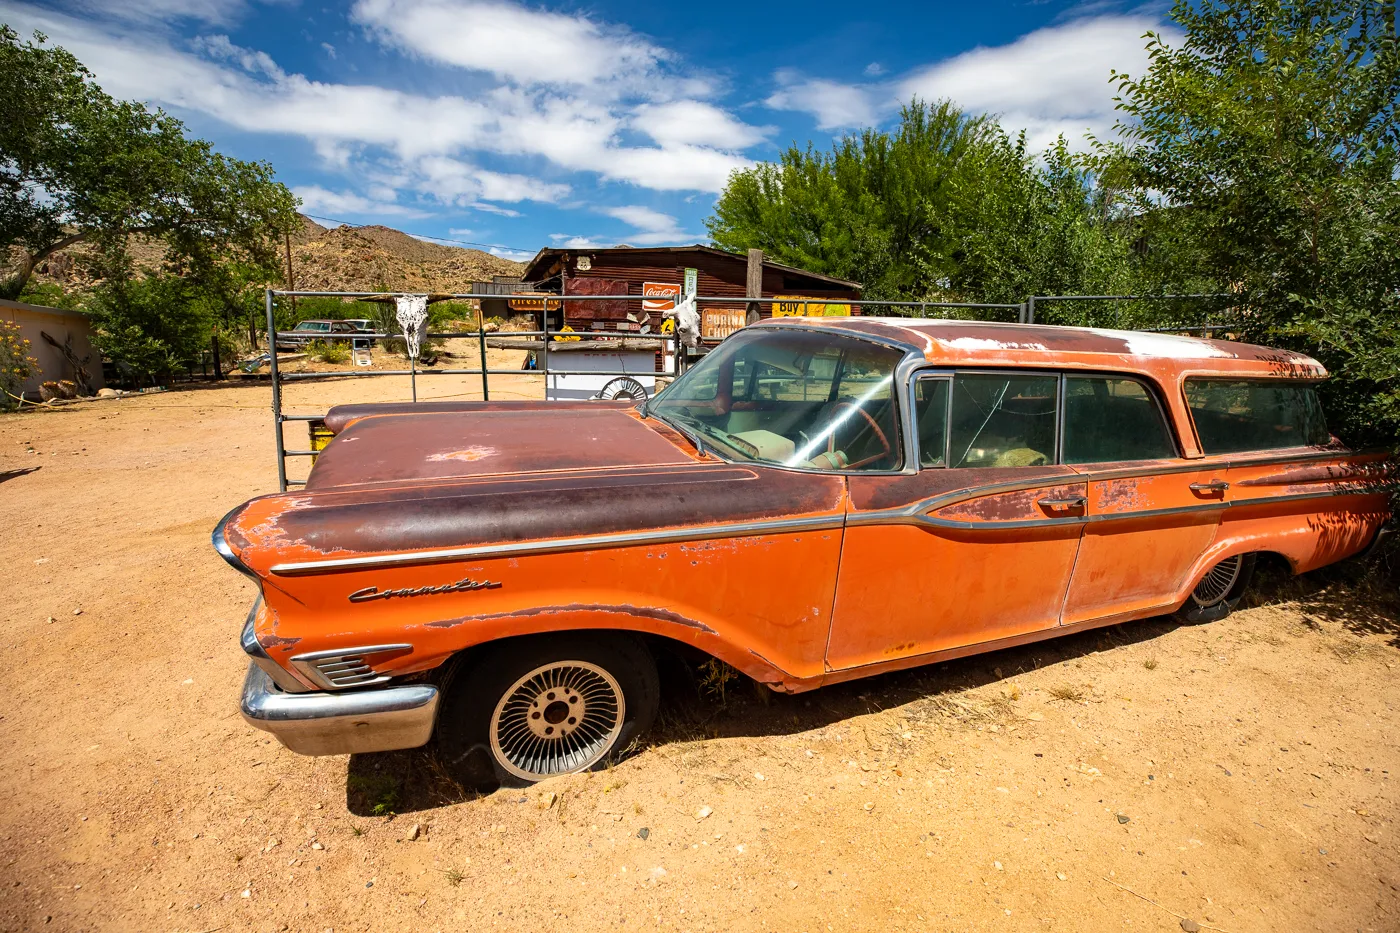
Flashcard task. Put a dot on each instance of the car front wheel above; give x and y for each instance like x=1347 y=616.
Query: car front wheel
x=547 y=705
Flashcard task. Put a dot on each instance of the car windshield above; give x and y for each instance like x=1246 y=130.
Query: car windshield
x=804 y=399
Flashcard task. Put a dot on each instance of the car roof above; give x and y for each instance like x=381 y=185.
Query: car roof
x=990 y=343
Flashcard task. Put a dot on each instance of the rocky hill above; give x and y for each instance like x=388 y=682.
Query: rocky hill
x=375 y=258
x=344 y=259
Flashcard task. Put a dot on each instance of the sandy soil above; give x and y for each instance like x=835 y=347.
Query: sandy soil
x=1240 y=774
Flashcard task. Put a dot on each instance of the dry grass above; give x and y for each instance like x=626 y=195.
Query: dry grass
x=1068 y=693
x=964 y=708
x=1150 y=664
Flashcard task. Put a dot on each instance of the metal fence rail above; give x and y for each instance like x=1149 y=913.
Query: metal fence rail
x=1022 y=312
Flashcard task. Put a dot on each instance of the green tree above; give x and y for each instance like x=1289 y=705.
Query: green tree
x=1263 y=152
x=872 y=210
x=947 y=207
x=77 y=165
x=1038 y=227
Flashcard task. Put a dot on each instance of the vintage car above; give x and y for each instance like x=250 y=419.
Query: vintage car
x=308 y=331
x=814 y=501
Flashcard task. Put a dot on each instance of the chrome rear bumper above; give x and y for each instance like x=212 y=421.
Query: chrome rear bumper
x=342 y=723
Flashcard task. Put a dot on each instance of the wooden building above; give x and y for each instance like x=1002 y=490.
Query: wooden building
x=658 y=274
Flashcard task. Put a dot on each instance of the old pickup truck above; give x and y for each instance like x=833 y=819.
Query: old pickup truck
x=816 y=500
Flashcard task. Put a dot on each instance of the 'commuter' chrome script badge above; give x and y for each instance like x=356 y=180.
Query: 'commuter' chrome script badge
x=461 y=586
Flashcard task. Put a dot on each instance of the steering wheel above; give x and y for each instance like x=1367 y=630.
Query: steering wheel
x=874 y=426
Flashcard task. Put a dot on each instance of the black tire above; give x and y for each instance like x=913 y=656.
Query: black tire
x=580 y=668
x=1216 y=595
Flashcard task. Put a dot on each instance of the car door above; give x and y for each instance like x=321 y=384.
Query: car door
x=1150 y=513
x=979 y=544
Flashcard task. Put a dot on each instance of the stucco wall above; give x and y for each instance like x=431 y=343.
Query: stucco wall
x=34 y=321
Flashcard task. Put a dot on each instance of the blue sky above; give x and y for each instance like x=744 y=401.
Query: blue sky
x=529 y=125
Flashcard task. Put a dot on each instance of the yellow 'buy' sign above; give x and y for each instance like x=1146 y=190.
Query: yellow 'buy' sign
x=798 y=306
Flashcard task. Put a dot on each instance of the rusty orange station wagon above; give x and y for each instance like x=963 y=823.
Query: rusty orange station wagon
x=814 y=501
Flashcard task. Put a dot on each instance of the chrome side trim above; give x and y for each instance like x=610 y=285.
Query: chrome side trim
x=221 y=544
x=917 y=514
x=341 y=668
x=561 y=545
x=248 y=641
x=376 y=720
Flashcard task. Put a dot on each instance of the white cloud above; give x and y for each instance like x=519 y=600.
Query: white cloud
x=496 y=186
x=454 y=181
x=250 y=60
x=874 y=69
x=161 y=12
x=318 y=200
x=650 y=227
x=514 y=255
x=836 y=106
x=695 y=123
x=1051 y=81
x=349 y=124
x=461 y=231
x=653 y=228
x=1054 y=80
x=520 y=45
x=329 y=49
x=495 y=209
x=569 y=241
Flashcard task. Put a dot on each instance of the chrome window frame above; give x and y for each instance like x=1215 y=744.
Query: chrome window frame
x=1057 y=375
x=1153 y=392
x=911 y=361
x=1313 y=384
x=915 y=378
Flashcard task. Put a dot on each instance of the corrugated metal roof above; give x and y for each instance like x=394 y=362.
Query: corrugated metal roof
x=535 y=268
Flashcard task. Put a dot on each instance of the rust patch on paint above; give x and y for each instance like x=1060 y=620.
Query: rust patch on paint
x=1122 y=494
x=276 y=641
x=468 y=455
x=1327 y=473
x=643 y=612
x=1020 y=505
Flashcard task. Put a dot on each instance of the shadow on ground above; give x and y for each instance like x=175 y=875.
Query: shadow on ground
x=1360 y=598
x=692 y=709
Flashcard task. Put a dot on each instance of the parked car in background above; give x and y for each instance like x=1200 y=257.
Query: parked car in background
x=362 y=324
x=307 y=331
x=814 y=501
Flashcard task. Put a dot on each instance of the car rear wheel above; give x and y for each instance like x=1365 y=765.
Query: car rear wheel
x=1219 y=590
x=547 y=705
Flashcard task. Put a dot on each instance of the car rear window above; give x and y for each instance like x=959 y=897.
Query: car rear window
x=1233 y=416
x=1112 y=419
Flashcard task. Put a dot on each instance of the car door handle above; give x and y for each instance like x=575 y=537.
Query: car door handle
x=1213 y=487
x=1066 y=504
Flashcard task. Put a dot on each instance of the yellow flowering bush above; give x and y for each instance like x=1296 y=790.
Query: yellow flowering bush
x=16 y=365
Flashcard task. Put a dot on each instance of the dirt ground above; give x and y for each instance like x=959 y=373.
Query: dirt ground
x=1241 y=775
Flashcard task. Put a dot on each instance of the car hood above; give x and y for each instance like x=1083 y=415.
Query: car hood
x=444 y=446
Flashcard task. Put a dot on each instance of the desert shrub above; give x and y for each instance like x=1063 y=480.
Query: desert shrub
x=16 y=365
x=328 y=351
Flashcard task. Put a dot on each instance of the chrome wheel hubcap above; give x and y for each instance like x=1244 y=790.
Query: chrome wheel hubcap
x=1218 y=582
x=557 y=719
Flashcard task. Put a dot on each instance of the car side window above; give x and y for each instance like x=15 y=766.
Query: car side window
x=1110 y=419
x=1232 y=416
x=931 y=419
x=1003 y=420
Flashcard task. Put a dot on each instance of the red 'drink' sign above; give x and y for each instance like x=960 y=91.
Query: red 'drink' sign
x=659 y=296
